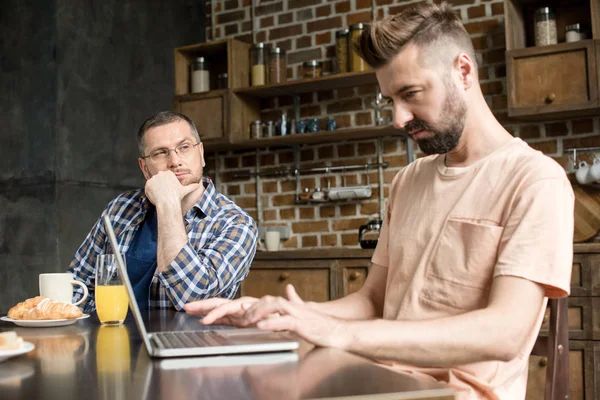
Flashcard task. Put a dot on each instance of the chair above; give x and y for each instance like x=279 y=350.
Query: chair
x=555 y=347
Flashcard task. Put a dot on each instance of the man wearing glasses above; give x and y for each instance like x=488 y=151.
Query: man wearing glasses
x=182 y=240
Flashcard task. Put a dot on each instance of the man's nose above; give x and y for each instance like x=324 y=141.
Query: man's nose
x=402 y=116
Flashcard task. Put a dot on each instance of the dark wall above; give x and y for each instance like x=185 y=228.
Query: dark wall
x=77 y=80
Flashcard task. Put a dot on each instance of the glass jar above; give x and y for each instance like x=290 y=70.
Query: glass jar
x=258 y=62
x=200 y=79
x=574 y=32
x=277 y=65
x=545 y=27
x=256 y=128
x=222 y=79
x=312 y=69
x=341 y=50
x=355 y=62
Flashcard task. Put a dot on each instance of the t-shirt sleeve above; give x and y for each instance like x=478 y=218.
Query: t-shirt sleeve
x=537 y=241
x=381 y=255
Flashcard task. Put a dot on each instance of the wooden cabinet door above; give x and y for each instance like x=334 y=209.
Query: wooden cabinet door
x=311 y=278
x=556 y=80
x=352 y=275
x=208 y=113
x=578 y=357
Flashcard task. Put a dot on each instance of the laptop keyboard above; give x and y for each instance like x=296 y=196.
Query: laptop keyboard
x=189 y=339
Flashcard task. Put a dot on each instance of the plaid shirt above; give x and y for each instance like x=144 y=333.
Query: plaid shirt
x=221 y=245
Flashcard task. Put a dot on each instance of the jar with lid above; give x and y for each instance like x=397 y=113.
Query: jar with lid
x=258 y=61
x=341 y=50
x=256 y=128
x=355 y=62
x=318 y=194
x=222 y=79
x=574 y=32
x=312 y=69
x=545 y=27
x=277 y=65
x=200 y=80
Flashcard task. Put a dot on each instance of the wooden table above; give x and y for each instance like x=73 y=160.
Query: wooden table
x=86 y=361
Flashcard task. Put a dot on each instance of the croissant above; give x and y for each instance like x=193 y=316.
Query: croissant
x=44 y=308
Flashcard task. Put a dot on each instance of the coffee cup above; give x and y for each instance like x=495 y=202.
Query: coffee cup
x=594 y=172
x=59 y=287
x=272 y=240
x=583 y=175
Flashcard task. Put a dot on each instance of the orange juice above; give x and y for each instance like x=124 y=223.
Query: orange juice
x=112 y=349
x=111 y=303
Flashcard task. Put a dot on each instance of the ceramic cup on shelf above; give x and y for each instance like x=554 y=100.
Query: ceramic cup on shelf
x=583 y=173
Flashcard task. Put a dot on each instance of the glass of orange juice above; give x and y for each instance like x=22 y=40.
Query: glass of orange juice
x=111 y=296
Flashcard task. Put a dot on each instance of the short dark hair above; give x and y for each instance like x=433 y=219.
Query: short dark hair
x=159 y=119
x=428 y=26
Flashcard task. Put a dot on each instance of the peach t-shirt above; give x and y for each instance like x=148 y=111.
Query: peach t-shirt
x=449 y=231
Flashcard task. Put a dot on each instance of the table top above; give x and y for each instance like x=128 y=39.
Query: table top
x=89 y=361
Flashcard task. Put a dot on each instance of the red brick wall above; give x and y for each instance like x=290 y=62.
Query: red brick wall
x=306 y=28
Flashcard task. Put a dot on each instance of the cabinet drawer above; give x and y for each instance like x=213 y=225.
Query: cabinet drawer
x=354 y=278
x=582 y=324
x=581 y=373
x=585 y=275
x=552 y=79
x=311 y=284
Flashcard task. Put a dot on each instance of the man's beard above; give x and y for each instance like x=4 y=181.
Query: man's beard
x=452 y=123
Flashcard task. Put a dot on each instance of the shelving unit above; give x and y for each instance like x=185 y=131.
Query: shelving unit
x=555 y=81
x=329 y=82
x=367 y=132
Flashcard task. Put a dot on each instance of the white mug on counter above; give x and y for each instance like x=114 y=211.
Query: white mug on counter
x=272 y=240
x=59 y=287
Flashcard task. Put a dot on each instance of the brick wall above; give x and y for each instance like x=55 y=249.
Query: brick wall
x=306 y=28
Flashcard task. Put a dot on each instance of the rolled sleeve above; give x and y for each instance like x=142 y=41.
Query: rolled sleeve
x=216 y=269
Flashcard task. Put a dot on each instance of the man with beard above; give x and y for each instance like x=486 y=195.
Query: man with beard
x=476 y=236
x=182 y=240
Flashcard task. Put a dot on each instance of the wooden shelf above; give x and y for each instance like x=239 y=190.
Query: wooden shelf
x=339 y=135
x=329 y=82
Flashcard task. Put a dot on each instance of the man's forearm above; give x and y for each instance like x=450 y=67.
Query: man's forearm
x=497 y=332
x=356 y=306
x=172 y=235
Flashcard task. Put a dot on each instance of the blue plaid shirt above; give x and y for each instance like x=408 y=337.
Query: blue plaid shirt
x=221 y=245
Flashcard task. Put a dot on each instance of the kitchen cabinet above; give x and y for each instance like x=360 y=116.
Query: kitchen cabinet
x=554 y=81
x=317 y=275
x=584 y=330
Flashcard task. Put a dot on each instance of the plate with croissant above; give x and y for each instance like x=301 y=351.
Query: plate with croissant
x=12 y=345
x=42 y=312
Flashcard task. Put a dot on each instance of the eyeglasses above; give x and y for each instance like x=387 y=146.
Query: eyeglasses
x=161 y=155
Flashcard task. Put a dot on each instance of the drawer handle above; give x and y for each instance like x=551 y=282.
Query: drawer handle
x=284 y=276
x=550 y=98
x=354 y=276
x=543 y=362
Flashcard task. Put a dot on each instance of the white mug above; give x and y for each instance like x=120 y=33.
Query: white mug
x=594 y=172
x=59 y=287
x=272 y=240
x=583 y=173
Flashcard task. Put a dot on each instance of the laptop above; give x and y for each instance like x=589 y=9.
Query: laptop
x=205 y=340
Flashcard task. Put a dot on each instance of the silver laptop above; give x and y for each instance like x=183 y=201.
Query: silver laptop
x=204 y=341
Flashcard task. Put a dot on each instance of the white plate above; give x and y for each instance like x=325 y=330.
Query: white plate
x=25 y=348
x=43 y=323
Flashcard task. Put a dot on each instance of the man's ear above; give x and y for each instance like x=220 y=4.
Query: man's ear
x=144 y=168
x=467 y=70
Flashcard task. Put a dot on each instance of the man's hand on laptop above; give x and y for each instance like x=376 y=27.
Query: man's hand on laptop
x=220 y=311
x=274 y=313
x=297 y=316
